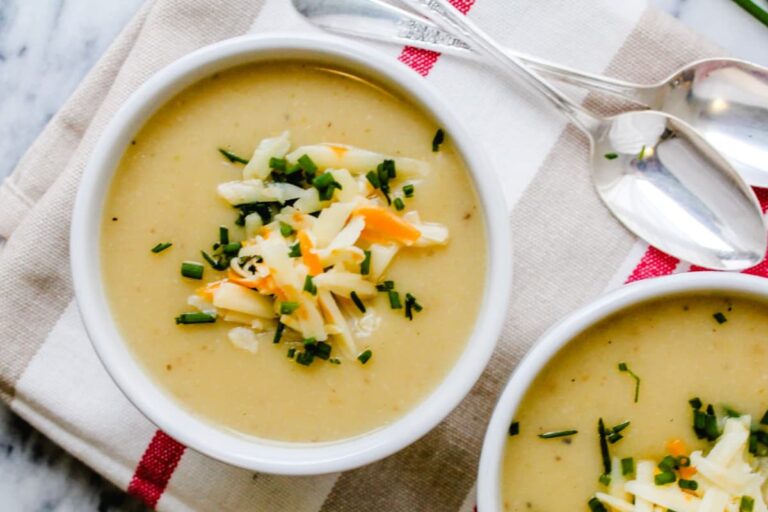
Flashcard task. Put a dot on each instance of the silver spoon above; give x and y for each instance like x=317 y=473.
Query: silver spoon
x=726 y=100
x=653 y=171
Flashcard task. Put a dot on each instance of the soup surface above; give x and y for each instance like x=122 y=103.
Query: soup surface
x=679 y=350
x=165 y=191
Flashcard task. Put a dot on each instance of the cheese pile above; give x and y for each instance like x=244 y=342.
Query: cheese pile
x=729 y=480
x=319 y=245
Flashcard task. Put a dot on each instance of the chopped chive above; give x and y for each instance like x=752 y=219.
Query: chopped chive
x=438 y=139
x=696 y=403
x=305 y=358
x=223 y=235
x=278 y=164
x=747 y=504
x=595 y=505
x=711 y=428
x=604 y=479
x=558 y=433
x=365 y=356
x=642 y=153
x=668 y=464
x=286 y=229
x=514 y=428
x=408 y=190
x=232 y=249
x=373 y=179
x=604 y=454
x=614 y=437
x=161 y=247
x=627 y=466
x=394 y=300
x=731 y=412
x=683 y=461
x=309 y=341
x=664 y=478
x=232 y=157
x=293 y=169
x=357 y=301
x=287 y=308
x=322 y=350
x=385 y=286
x=295 y=251
x=322 y=181
x=690 y=485
x=309 y=285
x=334 y=360
x=291 y=352
x=195 y=318
x=219 y=264
x=389 y=168
x=764 y=419
x=621 y=426
x=611 y=156
x=720 y=318
x=278 y=332
x=624 y=368
x=307 y=165
x=411 y=305
x=192 y=270
x=399 y=204
x=365 y=268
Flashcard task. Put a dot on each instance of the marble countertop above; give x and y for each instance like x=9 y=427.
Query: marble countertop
x=46 y=47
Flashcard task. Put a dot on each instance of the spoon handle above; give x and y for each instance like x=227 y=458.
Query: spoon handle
x=381 y=21
x=445 y=16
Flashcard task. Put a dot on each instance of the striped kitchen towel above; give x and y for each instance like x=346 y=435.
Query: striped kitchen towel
x=568 y=247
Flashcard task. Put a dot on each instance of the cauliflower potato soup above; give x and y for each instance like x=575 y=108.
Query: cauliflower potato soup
x=661 y=407
x=293 y=252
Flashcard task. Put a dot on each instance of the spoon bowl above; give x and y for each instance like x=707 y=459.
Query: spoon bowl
x=726 y=100
x=661 y=178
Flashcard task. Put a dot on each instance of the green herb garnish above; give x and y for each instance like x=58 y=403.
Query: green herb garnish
x=279 y=333
x=595 y=505
x=604 y=454
x=611 y=156
x=664 y=478
x=308 y=166
x=373 y=179
x=627 y=466
x=394 y=300
x=604 y=479
x=514 y=428
x=408 y=190
x=287 y=308
x=309 y=285
x=291 y=352
x=279 y=164
x=295 y=251
x=365 y=356
x=411 y=305
x=720 y=318
x=399 y=204
x=558 y=433
x=195 y=318
x=161 y=247
x=223 y=235
x=192 y=269
x=334 y=360
x=747 y=504
x=365 y=267
x=232 y=157
x=438 y=139
x=286 y=229
x=624 y=368
x=690 y=485
x=642 y=153
x=357 y=301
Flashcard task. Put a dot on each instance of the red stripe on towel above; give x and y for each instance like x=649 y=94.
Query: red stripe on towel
x=654 y=263
x=422 y=61
x=155 y=468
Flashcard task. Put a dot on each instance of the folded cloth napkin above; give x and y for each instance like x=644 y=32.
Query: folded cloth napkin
x=568 y=247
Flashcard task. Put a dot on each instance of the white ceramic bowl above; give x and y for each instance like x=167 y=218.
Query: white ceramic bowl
x=550 y=343
x=159 y=406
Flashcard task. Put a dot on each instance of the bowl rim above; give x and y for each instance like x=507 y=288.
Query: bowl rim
x=154 y=402
x=489 y=492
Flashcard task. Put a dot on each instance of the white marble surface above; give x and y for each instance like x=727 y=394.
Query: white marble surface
x=46 y=47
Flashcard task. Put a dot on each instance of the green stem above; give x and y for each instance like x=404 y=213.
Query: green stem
x=755 y=10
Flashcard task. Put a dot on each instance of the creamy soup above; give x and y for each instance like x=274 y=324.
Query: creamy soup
x=702 y=349
x=173 y=186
